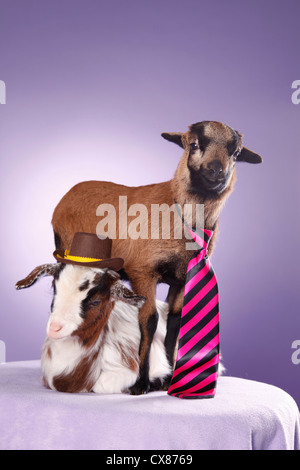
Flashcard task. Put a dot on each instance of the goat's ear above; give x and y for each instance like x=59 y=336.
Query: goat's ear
x=121 y=292
x=105 y=279
x=248 y=156
x=175 y=137
x=39 y=271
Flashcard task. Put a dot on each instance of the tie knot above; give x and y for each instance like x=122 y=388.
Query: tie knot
x=202 y=237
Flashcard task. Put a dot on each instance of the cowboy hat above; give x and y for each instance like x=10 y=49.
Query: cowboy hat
x=89 y=250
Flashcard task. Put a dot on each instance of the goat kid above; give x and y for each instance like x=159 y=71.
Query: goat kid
x=205 y=175
x=93 y=333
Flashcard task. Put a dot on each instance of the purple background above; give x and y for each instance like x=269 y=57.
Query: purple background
x=90 y=87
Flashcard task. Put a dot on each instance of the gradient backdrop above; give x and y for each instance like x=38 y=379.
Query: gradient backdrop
x=91 y=84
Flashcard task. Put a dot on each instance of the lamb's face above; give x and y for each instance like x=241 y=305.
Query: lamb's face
x=211 y=151
x=81 y=295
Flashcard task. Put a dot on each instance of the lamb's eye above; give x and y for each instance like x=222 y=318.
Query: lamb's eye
x=194 y=146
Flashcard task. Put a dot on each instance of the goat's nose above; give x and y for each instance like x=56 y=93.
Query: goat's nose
x=54 y=327
x=215 y=168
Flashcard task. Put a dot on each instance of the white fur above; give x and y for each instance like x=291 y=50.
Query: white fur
x=66 y=307
x=124 y=333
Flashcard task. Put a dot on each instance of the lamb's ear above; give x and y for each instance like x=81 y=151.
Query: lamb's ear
x=120 y=292
x=175 y=137
x=39 y=271
x=248 y=156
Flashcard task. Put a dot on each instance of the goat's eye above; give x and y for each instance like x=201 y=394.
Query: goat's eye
x=95 y=303
x=194 y=146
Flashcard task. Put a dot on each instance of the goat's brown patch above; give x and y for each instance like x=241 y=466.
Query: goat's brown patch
x=96 y=319
x=130 y=357
x=79 y=380
x=49 y=352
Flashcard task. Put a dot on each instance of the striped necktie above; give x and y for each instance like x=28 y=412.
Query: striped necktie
x=196 y=371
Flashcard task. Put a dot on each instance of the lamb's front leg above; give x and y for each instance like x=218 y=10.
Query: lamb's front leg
x=148 y=318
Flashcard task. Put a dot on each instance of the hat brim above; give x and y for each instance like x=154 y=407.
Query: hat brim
x=113 y=263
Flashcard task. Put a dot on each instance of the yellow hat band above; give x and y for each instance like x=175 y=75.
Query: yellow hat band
x=80 y=259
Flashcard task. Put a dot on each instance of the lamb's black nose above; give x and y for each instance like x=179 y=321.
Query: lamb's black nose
x=214 y=169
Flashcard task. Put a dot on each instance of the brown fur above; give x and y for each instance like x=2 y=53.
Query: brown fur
x=89 y=332
x=78 y=380
x=130 y=358
x=77 y=212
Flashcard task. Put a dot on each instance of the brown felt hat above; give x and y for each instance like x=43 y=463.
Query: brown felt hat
x=89 y=250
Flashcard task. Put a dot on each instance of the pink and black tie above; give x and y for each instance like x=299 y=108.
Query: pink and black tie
x=196 y=370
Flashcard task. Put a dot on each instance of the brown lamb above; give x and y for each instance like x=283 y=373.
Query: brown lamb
x=205 y=175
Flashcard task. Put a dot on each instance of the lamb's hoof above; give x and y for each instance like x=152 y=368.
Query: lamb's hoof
x=140 y=387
